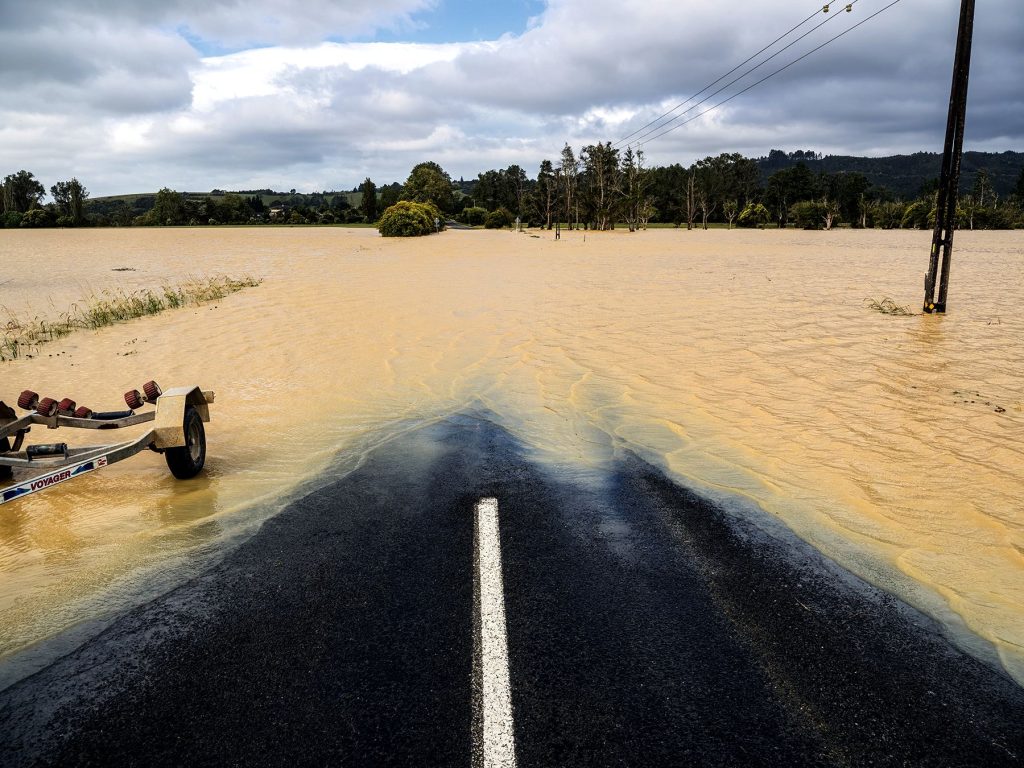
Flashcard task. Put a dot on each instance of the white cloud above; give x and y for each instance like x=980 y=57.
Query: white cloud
x=140 y=109
x=264 y=71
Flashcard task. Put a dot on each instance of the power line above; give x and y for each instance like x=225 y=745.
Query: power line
x=768 y=77
x=737 y=79
x=716 y=82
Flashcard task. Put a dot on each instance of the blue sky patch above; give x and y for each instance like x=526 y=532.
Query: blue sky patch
x=457 y=21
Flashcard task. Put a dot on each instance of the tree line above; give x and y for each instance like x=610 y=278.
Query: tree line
x=600 y=187
x=22 y=205
x=22 y=195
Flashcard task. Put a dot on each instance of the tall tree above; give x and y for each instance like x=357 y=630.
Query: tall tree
x=168 y=209
x=518 y=182
x=368 y=203
x=601 y=170
x=691 y=198
x=714 y=176
x=743 y=180
x=730 y=209
x=635 y=180
x=668 y=185
x=22 y=192
x=982 y=190
x=490 y=191
x=389 y=195
x=787 y=187
x=847 y=190
x=70 y=197
x=547 y=192
x=569 y=170
x=429 y=183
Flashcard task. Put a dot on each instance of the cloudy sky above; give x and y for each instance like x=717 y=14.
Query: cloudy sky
x=318 y=94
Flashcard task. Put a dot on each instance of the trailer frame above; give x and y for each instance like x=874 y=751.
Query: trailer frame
x=174 y=428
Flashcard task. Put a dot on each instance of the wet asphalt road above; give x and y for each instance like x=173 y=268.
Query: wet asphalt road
x=644 y=625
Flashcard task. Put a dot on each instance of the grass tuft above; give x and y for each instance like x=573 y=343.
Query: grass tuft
x=888 y=307
x=21 y=336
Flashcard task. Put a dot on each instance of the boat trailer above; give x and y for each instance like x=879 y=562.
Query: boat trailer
x=177 y=432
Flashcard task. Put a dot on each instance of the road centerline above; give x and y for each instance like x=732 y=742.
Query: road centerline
x=498 y=730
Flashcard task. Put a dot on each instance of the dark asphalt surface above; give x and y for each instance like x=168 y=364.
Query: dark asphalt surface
x=645 y=627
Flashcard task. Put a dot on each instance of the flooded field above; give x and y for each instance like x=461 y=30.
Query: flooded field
x=744 y=363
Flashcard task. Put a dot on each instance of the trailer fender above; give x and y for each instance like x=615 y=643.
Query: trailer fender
x=168 y=429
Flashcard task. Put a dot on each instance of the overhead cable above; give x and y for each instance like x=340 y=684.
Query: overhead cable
x=767 y=77
x=720 y=79
x=735 y=80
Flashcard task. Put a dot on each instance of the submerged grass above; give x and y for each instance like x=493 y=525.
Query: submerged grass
x=23 y=336
x=888 y=307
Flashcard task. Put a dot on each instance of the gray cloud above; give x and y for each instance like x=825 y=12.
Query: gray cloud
x=94 y=67
x=231 y=23
x=588 y=70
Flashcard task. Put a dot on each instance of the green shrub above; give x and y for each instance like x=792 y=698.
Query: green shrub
x=498 y=219
x=12 y=219
x=917 y=215
x=753 y=215
x=435 y=216
x=474 y=216
x=407 y=219
x=808 y=214
x=887 y=215
x=994 y=218
x=38 y=217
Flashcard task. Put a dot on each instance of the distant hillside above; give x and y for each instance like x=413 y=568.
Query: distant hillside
x=905 y=175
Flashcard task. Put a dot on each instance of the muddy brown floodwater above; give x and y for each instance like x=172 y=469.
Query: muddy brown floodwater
x=744 y=363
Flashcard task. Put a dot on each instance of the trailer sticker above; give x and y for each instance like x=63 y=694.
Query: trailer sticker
x=31 y=486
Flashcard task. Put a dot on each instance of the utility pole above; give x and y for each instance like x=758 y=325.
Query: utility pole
x=949 y=179
x=558 y=204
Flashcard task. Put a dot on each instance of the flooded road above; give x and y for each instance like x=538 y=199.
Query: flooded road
x=744 y=364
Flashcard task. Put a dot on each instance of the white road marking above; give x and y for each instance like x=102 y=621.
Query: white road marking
x=499 y=749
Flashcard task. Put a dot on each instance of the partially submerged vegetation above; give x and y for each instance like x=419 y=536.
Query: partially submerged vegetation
x=21 y=336
x=408 y=219
x=888 y=307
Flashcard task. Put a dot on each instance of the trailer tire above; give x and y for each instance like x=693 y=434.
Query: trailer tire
x=187 y=461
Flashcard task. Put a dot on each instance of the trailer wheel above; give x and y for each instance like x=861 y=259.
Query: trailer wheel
x=152 y=390
x=186 y=461
x=133 y=399
x=28 y=400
